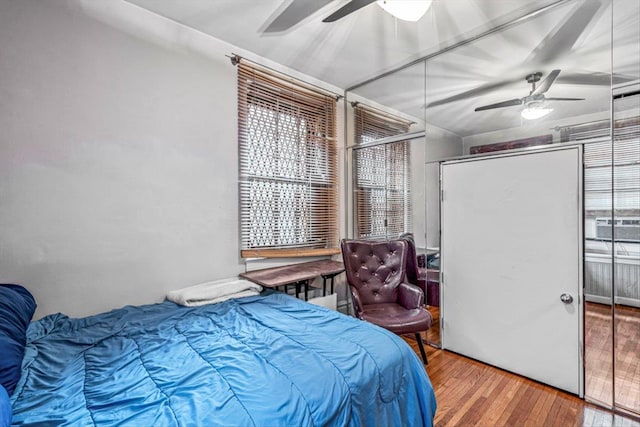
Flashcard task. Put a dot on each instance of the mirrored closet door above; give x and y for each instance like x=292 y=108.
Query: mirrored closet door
x=387 y=154
x=567 y=74
x=626 y=260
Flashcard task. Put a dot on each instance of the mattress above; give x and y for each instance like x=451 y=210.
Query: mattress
x=268 y=360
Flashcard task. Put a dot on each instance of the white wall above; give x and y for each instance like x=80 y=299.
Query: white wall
x=118 y=155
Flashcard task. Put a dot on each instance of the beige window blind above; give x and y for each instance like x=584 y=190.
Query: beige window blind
x=382 y=177
x=288 y=166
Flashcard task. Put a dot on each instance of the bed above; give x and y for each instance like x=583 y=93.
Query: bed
x=267 y=360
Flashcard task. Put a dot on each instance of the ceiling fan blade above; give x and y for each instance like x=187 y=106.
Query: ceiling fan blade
x=546 y=83
x=565 y=99
x=509 y=103
x=295 y=12
x=480 y=90
x=594 y=79
x=348 y=8
x=561 y=39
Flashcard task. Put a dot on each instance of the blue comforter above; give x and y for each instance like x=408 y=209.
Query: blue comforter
x=267 y=361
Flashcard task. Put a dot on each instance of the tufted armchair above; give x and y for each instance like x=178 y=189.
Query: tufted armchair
x=379 y=289
x=415 y=274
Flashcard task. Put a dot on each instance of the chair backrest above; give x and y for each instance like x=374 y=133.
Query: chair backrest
x=375 y=269
x=412 y=259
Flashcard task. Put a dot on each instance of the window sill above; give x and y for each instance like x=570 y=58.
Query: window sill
x=288 y=253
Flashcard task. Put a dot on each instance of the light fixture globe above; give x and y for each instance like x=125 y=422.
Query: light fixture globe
x=535 y=110
x=406 y=10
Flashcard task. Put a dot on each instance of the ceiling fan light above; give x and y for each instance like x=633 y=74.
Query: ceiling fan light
x=407 y=10
x=533 y=113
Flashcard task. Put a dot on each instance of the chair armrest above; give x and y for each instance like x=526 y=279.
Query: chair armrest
x=410 y=296
x=357 y=303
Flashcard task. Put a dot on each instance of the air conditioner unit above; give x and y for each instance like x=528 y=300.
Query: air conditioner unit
x=626 y=229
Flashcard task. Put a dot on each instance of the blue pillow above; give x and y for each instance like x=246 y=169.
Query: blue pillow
x=5 y=408
x=16 y=310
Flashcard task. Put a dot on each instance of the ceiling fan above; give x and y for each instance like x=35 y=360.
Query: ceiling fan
x=297 y=10
x=535 y=101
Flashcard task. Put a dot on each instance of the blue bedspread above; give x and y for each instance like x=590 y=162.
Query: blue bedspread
x=267 y=361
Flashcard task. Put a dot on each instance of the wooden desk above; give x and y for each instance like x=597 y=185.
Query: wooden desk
x=297 y=274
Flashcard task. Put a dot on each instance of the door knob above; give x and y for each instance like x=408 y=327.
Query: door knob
x=566 y=298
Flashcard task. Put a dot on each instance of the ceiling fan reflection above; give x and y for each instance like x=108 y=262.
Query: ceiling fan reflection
x=535 y=102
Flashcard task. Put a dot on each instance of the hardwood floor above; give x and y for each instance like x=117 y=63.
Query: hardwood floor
x=433 y=334
x=598 y=355
x=627 y=355
x=472 y=393
x=599 y=360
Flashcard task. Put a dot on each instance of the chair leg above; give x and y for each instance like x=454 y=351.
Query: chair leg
x=421 y=346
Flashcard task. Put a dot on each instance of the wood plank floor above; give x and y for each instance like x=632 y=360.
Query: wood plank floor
x=470 y=393
x=598 y=355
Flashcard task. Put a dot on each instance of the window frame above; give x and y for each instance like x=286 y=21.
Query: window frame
x=372 y=125
x=298 y=200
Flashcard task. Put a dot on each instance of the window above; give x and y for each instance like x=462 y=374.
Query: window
x=382 y=195
x=598 y=174
x=287 y=151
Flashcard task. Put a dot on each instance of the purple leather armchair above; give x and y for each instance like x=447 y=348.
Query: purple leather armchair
x=417 y=273
x=379 y=290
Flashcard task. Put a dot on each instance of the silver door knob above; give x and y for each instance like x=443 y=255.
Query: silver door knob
x=566 y=298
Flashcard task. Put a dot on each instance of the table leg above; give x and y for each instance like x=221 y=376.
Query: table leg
x=324 y=282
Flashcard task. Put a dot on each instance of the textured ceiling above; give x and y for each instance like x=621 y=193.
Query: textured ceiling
x=359 y=46
x=573 y=36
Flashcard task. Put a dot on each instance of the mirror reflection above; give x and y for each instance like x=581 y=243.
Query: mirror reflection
x=625 y=226
x=624 y=239
x=546 y=79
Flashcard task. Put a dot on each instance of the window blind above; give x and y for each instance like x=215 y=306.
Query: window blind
x=598 y=163
x=288 y=166
x=382 y=177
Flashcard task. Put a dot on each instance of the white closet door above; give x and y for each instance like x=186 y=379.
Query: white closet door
x=511 y=248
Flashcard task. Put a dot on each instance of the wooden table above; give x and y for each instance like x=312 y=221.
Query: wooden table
x=297 y=274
